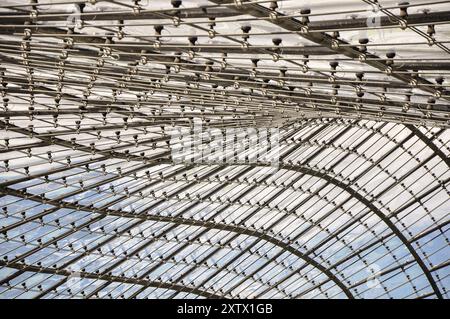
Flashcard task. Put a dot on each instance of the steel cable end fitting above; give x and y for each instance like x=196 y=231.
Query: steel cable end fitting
x=403 y=6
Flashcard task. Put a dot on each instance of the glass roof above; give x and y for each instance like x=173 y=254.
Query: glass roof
x=224 y=149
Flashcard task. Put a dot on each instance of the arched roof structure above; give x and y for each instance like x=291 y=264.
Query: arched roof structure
x=224 y=149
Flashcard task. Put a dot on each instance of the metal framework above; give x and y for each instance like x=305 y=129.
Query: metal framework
x=128 y=168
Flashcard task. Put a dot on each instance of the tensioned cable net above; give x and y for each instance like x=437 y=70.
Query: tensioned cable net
x=224 y=149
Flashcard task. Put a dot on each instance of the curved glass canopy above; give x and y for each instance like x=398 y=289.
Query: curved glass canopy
x=224 y=149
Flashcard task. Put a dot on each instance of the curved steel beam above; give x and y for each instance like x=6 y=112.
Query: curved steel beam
x=361 y=199
x=305 y=170
x=110 y=278
x=429 y=143
x=192 y=222
x=376 y=211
